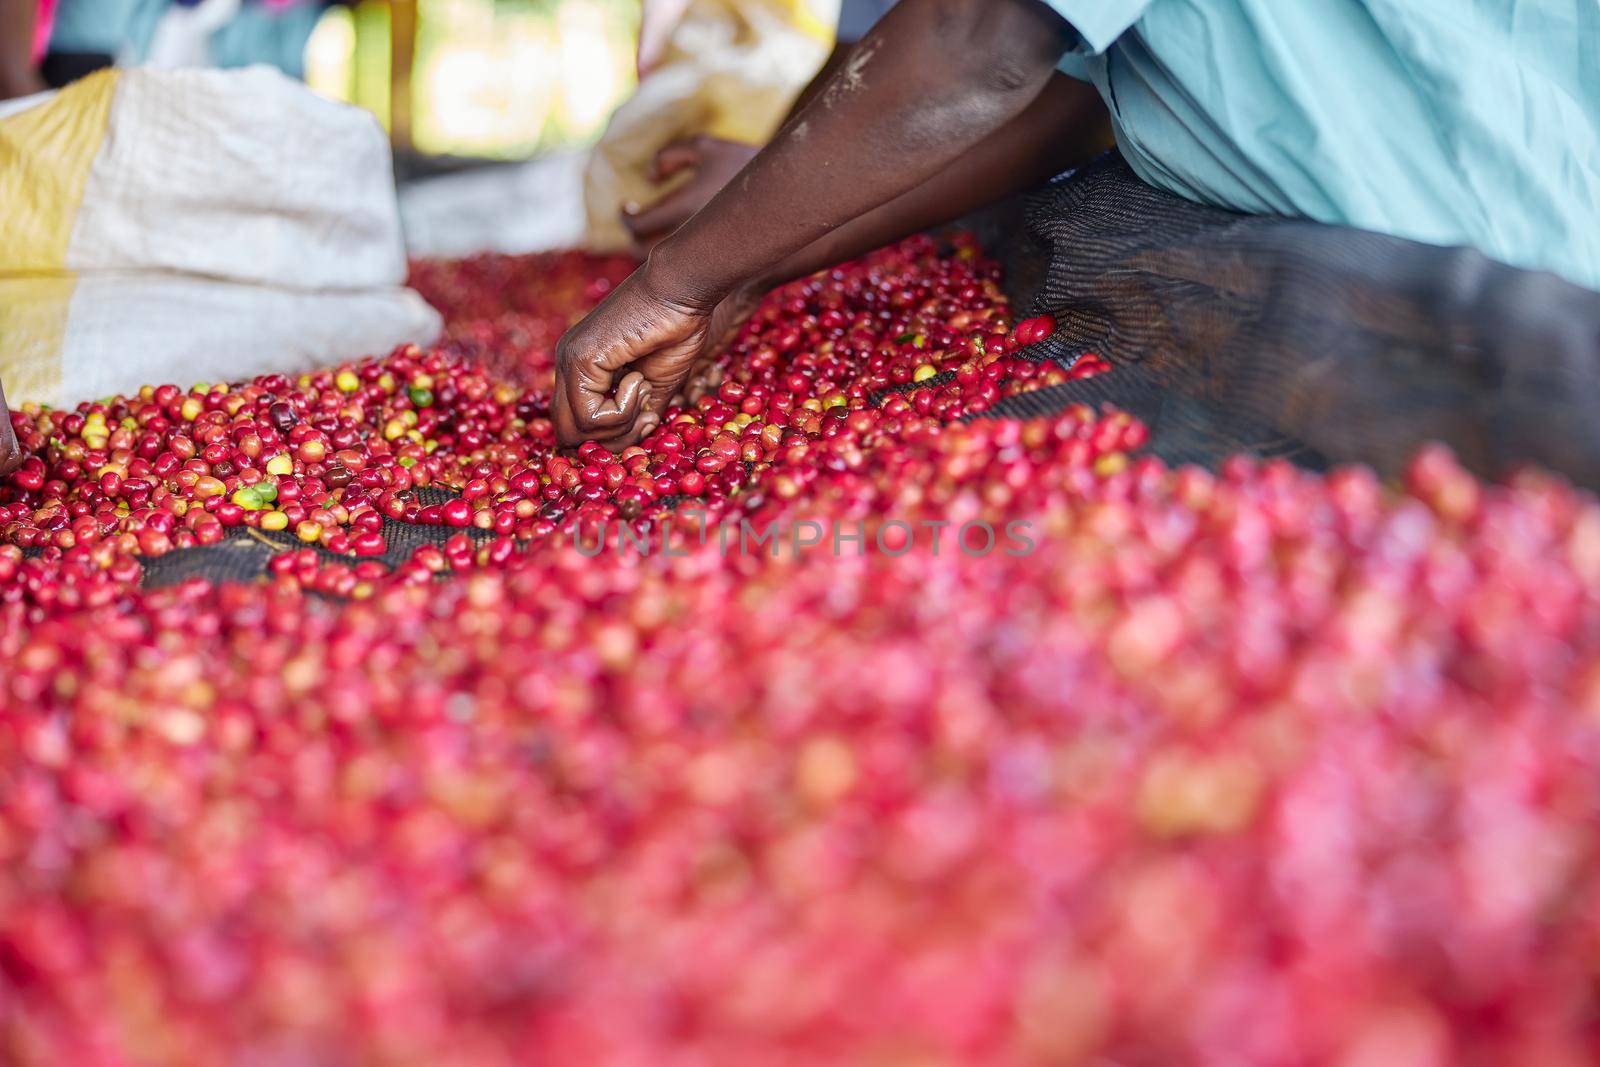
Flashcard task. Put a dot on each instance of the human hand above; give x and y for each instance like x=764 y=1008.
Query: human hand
x=714 y=162
x=638 y=342
x=706 y=374
x=10 y=451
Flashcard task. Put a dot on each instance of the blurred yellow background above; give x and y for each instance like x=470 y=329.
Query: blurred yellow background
x=492 y=79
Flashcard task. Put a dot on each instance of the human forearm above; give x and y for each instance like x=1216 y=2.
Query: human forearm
x=1065 y=126
x=10 y=451
x=932 y=80
x=830 y=67
x=17 y=74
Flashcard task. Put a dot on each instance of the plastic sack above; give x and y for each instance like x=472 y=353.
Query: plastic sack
x=732 y=69
x=194 y=225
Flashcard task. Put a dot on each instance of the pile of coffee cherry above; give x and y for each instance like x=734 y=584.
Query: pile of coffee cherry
x=821 y=726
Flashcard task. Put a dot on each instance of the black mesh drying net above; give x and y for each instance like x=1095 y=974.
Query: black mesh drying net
x=1235 y=333
x=244 y=553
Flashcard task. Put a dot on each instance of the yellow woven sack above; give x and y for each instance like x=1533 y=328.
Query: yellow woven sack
x=194 y=225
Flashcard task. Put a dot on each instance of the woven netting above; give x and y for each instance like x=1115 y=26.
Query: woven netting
x=1278 y=337
x=243 y=555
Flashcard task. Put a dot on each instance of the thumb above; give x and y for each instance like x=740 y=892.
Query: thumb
x=632 y=392
x=621 y=426
x=10 y=451
x=662 y=217
x=679 y=155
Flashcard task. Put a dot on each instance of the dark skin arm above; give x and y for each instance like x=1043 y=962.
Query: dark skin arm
x=714 y=162
x=1066 y=126
x=18 y=76
x=933 y=80
x=10 y=451
x=830 y=66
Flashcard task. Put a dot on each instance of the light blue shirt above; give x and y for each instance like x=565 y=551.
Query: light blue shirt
x=123 y=30
x=1451 y=122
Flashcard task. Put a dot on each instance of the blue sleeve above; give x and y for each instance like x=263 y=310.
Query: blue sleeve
x=1098 y=22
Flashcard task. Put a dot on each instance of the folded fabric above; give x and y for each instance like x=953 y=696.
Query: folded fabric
x=732 y=69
